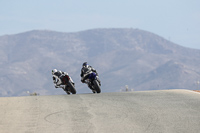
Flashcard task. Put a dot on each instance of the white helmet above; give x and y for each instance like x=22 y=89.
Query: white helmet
x=54 y=71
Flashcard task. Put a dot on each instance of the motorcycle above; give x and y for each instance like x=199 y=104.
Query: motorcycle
x=93 y=82
x=67 y=85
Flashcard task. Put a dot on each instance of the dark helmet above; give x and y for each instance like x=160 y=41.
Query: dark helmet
x=85 y=64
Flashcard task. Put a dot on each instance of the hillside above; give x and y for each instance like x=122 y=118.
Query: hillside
x=133 y=57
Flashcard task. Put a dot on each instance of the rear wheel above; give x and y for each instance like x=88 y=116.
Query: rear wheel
x=97 y=86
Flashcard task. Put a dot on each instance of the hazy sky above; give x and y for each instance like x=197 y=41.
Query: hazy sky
x=175 y=20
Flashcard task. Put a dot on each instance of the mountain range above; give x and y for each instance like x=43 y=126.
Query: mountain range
x=123 y=57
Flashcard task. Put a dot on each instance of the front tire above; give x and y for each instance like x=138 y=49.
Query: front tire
x=97 y=86
x=72 y=88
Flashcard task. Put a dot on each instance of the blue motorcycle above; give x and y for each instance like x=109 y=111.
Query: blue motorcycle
x=92 y=80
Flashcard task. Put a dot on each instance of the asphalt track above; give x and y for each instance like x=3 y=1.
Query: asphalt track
x=168 y=111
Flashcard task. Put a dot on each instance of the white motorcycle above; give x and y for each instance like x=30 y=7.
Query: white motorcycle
x=67 y=84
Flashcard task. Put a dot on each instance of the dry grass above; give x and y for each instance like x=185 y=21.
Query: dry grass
x=197 y=90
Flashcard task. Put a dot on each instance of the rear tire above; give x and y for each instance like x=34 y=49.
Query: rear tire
x=96 y=86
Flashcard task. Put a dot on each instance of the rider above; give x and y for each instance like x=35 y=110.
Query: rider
x=57 y=77
x=87 y=69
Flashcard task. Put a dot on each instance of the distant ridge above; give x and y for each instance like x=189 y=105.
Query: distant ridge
x=122 y=56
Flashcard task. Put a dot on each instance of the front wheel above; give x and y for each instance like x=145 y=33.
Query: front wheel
x=97 y=86
x=72 y=88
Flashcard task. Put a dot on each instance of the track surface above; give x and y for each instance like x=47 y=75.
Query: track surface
x=170 y=111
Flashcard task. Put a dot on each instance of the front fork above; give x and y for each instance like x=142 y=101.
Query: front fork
x=97 y=77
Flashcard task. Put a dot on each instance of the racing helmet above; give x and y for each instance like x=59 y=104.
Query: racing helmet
x=85 y=64
x=54 y=71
